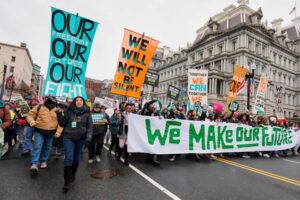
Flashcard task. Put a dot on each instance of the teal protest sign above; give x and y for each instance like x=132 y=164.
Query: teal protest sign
x=71 y=41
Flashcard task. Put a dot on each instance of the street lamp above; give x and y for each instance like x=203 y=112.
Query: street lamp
x=3 y=81
x=250 y=76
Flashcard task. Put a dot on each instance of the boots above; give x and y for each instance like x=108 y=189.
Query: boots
x=67 y=177
x=74 y=170
x=155 y=161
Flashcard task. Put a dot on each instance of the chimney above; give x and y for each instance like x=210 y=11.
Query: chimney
x=276 y=24
x=24 y=45
x=296 y=23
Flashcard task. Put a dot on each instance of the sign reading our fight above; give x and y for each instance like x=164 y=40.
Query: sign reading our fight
x=173 y=92
x=135 y=56
x=197 y=88
x=260 y=95
x=151 y=79
x=163 y=136
x=238 y=77
x=71 y=41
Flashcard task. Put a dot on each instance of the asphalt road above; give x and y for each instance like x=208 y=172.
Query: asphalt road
x=232 y=178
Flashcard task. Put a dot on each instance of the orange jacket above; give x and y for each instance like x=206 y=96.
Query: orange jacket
x=5 y=117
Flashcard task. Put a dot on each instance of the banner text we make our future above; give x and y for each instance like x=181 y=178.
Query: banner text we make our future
x=162 y=136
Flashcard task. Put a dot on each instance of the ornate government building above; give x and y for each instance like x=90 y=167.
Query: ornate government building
x=237 y=35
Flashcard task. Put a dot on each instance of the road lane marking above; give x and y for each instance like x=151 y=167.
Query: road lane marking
x=292 y=161
x=258 y=171
x=150 y=180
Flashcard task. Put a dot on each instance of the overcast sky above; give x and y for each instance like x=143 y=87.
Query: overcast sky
x=172 y=22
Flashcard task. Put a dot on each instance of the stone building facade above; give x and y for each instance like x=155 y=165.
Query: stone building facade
x=238 y=35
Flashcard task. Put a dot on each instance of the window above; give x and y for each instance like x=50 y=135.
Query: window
x=220 y=48
x=13 y=59
x=233 y=43
x=209 y=51
x=250 y=43
x=12 y=69
x=264 y=52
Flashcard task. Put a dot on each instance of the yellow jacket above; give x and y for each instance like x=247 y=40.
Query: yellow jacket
x=44 y=119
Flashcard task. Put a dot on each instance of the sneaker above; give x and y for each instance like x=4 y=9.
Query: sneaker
x=91 y=161
x=265 y=155
x=276 y=155
x=34 y=169
x=260 y=154
x=172 y=158
x=212 y=157
x=98 y=159
x=246 y=156
x=43 y=165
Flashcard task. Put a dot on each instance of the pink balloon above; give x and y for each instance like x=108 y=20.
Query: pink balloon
x=218 y=107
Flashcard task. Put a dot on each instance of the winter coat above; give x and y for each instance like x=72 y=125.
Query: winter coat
x=99 y=127
x=114 y=124
x=77 y=123
x=45 y=120
x=5 y=118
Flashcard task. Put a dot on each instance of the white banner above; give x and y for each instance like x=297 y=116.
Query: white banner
x=197 y=88
x=161 y=136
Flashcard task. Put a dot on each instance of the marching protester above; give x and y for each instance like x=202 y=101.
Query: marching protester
x=114 y=124
x=5 y=122
x=44 y=121
x=78 y=131
x=174 y=114
x=28 y=130
x=150 y=110
x=100 y=127
x=8 y=137
x=123 y=134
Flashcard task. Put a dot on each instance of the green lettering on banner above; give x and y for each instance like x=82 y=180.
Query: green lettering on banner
x=221 y=142
x=193 y=135
x=211 y=138
x=229 y=135
x=239 y=134
x=174 y=132
x=264 y=136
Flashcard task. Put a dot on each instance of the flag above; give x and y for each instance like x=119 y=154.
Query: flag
x=10 y=82
x=242 y=86
x=293 y=10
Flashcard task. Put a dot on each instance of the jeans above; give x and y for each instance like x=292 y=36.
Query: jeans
x=42 y=147
x=72 y=151
x=96 y=146
x=114 y=142
x=27 y=143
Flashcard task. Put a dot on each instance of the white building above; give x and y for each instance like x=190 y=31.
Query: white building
x=237 y=35
x=18 y=61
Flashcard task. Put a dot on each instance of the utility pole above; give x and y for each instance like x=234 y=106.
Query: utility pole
x=3 y=82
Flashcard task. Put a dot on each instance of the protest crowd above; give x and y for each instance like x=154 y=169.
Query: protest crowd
x=65 y=128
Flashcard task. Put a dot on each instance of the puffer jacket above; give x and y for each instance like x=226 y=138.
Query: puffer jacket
x=114 y=124
x=5 y=118
x=45 y=120
x=100 y=128
x=84 y=124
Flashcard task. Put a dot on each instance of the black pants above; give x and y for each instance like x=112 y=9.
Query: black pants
x=8 y=137
x=126 y=154
x=114 y=142
x=96 y=146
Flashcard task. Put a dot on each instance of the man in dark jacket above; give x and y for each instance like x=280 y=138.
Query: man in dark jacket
x=100 y=125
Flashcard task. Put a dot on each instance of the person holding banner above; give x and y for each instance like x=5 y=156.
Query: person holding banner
x=78 y=131
x=150 y=110
x=174 y=114
x=100 y=125
x=123 y=134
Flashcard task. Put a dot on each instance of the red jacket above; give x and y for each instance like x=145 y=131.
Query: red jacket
x=6 y=118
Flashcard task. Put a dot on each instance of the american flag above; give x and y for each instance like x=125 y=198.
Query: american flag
x=242 y=86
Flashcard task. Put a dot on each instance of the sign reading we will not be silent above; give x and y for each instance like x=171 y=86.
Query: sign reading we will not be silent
x=71 y=41
x=135 y=56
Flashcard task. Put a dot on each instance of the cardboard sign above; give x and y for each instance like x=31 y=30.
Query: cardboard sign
x=135 y=56
x=197 y=86
x=98 y=118
x=260 y=95
x=173 y=92
x=21 y=106
x=151 y=79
